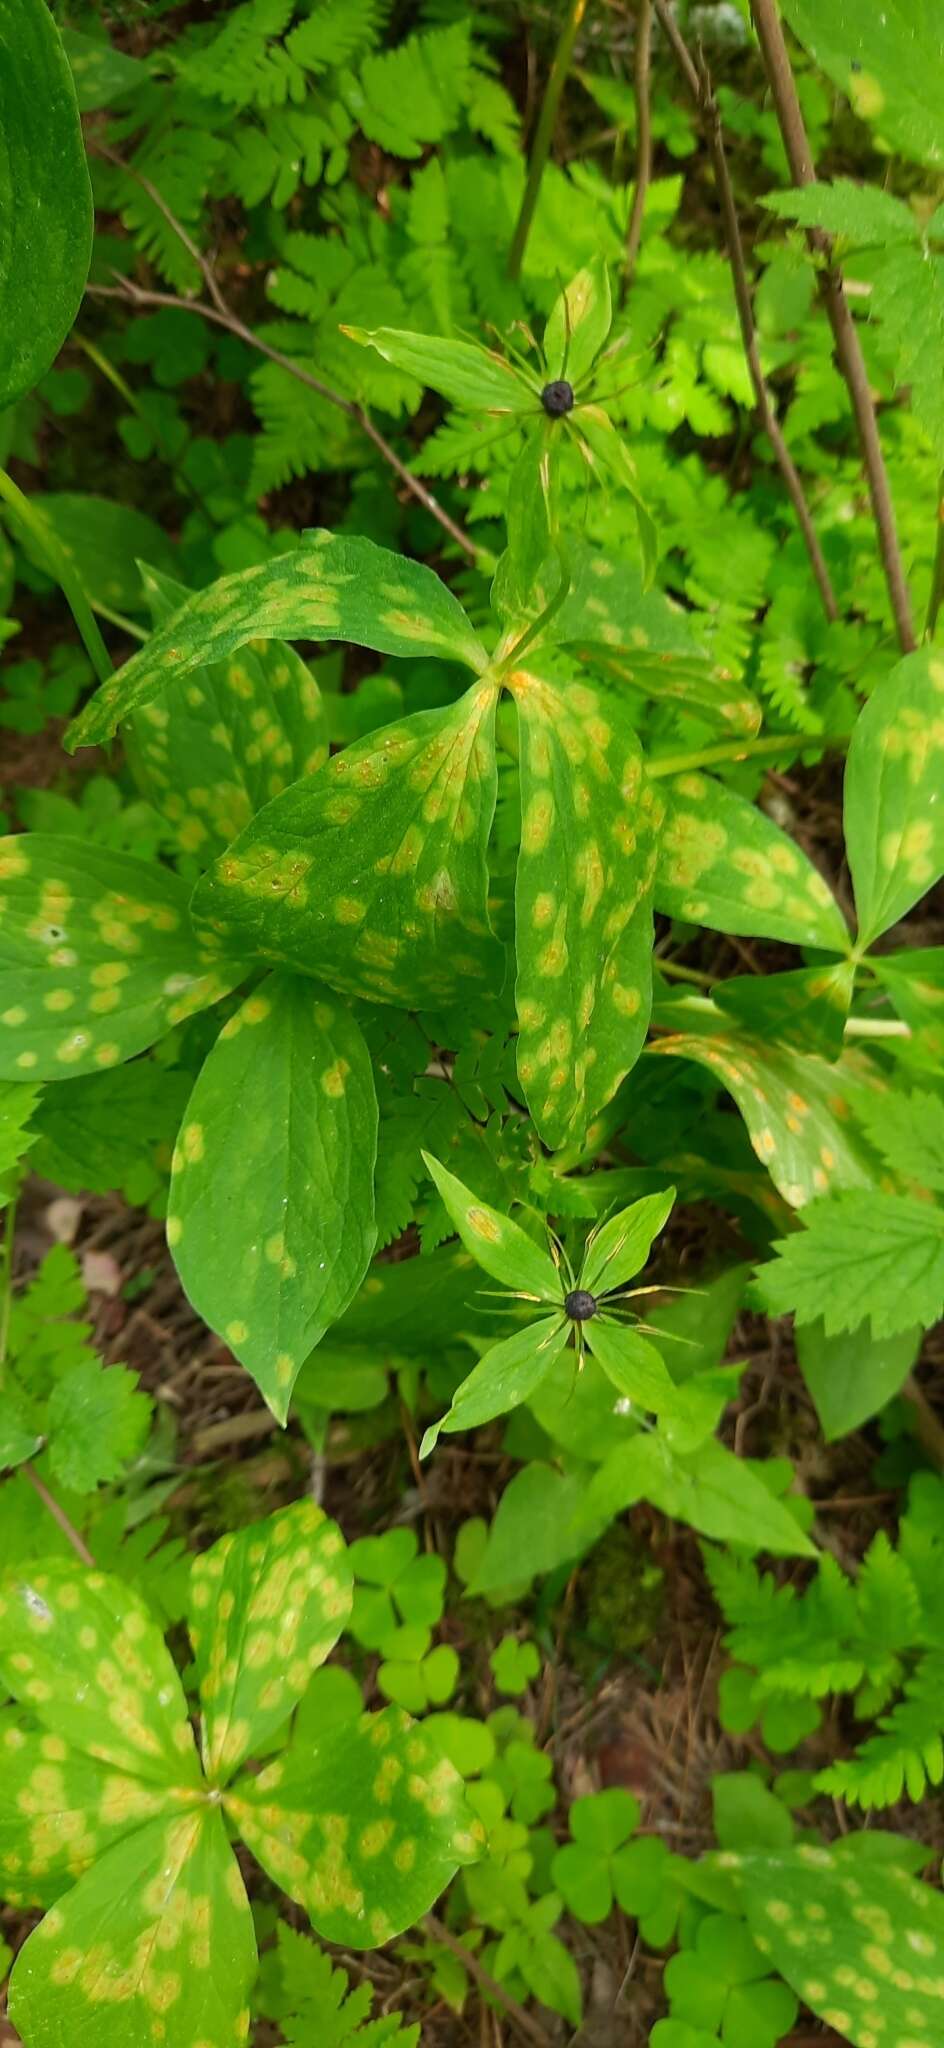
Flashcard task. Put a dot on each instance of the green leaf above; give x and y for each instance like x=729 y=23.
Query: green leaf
x=876 y=1257
x=621 y=1247
x=604 y=449
x=807 y=1007
x=503 y=1379
x=100 y=72
x=712 y=1490
x=888 y=61
x=725 y=864
x=331 y=587
x=893 y=822
x=97 y=957
x=19 y=1437
x=908 y=1131
x=583 y=902
x=372 y=874
x=103 y=541
x=271 y=1217
x=315 y=2007
x=18 y=1102
x=45 y=197
x=364 y=1833
x=471 y=376
x=268 y=1604
x=497 y=1244
x=633 y=1366
x=59 y=1810
x=747 y=1815
x=851 y=1375
x=97 y=1422
x=864 y=214
x=578 y=323
x=534 y=1529
x=159 y=1931
x=83 y=1654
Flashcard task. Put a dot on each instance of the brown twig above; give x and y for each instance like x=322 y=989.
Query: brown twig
x=530 y=2028
x=221 y=314
x=848 y=350
x=701 y=89
x=641 y=86
x=929 y=1430
x=58 y=1514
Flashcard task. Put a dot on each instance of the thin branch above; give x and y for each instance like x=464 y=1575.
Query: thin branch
x=544 y=133
x=221 y=314
x=848 y=349
x=929 y=1430
x=641 y=85
x=58 y=1514
x=530 y=2028
x=700 y=86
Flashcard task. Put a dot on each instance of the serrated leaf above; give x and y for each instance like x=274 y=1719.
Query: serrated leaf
x=619 y=1249
x=271 y=1217
x=471 y=376
x=59 y=1810
x=158 y=1931
x=888 y=61
x=267 y=1603
x=711 y=1489
x=908 y=1130
x=364 y=1833
x=894 y=824
x=864 y=214
x=794 y=1107
x=578 y=323
x=18 y=1102
x=861 y=1256
x=723 y=863
x=372 y=874
x=96 y=1423
x=496 y=1243
x=634 y=1367
x=507 y=1375
x=583 y=902
x=45 y=198
x=331 y=587
x=97 y=957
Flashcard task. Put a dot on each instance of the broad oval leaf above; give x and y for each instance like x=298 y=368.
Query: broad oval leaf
x=892 y=813
x=710 y=1488
x=364 y=1833
x=463 y=371
x=723 y=863
x=851 y=1375
x=267 y=1603
x=634 y=1367
x=507 y=1375
x=496 y=1243
x=98 y=957
x=620 y=1248
x=331 y=587
x=271 y=1217
x=45 y=197
x=154 y=1943
x=60 y=1810
x=372 y=874
x=583 y=902
x=102 y=540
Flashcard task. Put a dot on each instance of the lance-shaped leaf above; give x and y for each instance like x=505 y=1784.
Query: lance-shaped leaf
x=894 y=823
x=45 y=197
x=806 y=1008
x=794 y=1106
x=496 y=1243
x=217 y=745
x=605 y=450
x=583 y=902
x=154 y=1944
x=364 y=1833
x=474 y=377
x=859 y=1940
x=372 y=874
x=620 y=1248
x=507 y=1375
x=331 y=587
x=271 y=1216
x=709 y=1488
x=83 y=1653
x=267 y=1604
x=59 y=1810
x=634 y=1367
x=97 y=957
x=104 y=542
x=723 y=863
x=578 y=323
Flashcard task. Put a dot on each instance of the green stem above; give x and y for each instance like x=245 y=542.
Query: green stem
x=59 y=567
x=744 y=750
x=937 y=573
x=6 y=1279
x=544 y=132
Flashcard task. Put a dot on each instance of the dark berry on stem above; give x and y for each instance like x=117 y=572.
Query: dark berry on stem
x=558 y=398
x=580 y=1305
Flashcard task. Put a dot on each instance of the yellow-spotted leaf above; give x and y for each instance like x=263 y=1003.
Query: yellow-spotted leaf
x=271 y=1217
x=894 y=822
x=266 y=1604
x=507 y=1375
x=795 y=1109
x=83 y=1654
x=806 y=1007
x=857 y=1938
x=154 y=1944
x=372 y=874
x=723 y=863
x=365 y=1833
x=221 y=742
x=583 y=902
x=59 y=1810
x=332 y=587
x=497 y=1244
x=97 y=957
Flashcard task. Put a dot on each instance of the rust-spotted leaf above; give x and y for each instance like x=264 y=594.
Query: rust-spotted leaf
x=894 y=822
x=724 y=863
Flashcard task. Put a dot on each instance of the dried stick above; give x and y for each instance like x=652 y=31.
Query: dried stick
x=58 y=1514
x=530 y=2028
x=848 y=350
x=221 y=314
x=641 y=84
x=700 y=87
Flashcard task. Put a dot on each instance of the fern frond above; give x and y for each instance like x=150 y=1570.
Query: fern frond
x=906 y=1755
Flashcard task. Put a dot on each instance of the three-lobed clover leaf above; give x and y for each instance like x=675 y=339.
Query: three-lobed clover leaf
x=107 y=1816
x=584 y=1309
x=723 y=1985
x=587 y=1871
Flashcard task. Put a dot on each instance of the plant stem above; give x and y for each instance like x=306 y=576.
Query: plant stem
x=699 y=84
x=531 y=2028
x=58 y=565
x=745 y=750
x=848 y=349
x=58 y=1514
x=928 y=1429
x=641 y=84
x=937 y=573
x=540 y=148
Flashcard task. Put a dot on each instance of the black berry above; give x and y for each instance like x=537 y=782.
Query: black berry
x=580 y=1305
x=558 y=398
